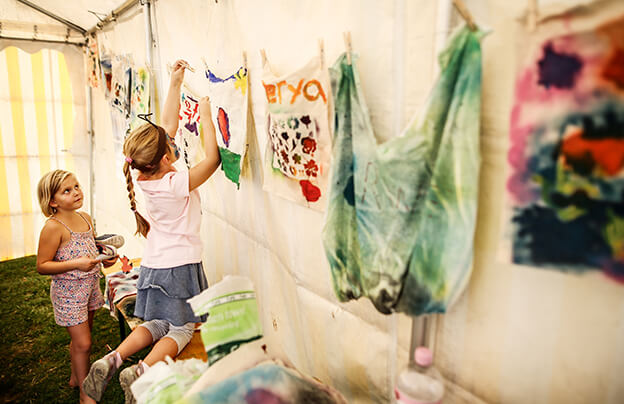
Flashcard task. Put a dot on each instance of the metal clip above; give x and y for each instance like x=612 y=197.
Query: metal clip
x=67 y=35
x=97 y=15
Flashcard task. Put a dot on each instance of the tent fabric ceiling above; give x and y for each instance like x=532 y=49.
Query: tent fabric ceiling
x=75 y=11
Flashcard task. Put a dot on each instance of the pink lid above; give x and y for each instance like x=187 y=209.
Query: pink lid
x=423 y=356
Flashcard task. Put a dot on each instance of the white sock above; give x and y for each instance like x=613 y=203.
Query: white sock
x=116 y=358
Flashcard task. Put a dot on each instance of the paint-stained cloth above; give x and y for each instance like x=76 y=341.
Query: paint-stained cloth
x=566 y=158
x=401 y=215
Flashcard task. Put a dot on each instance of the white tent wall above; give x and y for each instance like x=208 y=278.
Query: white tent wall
x=113 y=215
x=518 y=334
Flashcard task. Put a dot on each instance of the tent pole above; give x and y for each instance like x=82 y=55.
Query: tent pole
x=15 y=38
x=112 y=16
x=149 y=46
x=424 y=327
x=53 y=16
x=91 y=152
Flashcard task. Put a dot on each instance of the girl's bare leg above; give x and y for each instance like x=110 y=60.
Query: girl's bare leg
x=165 y=346
x=80 y=350
x=138 y=339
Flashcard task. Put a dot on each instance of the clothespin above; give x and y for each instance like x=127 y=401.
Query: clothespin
x=245 y=60
x=532 y=14
x=188 y=67
x=264 y=56
x=205 y=64
x=321 y=51
x=463 y=11
x=347 y=41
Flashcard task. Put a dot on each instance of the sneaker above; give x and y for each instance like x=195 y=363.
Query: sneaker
x=106 y=252
x=126 y=378
x=114 y=240
x=101 y=371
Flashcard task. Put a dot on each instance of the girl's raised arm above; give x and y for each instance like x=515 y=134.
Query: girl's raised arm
x=171 y=109
x=204 y=169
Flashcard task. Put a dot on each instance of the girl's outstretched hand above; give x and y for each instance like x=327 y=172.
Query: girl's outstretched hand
x=177 y=73
x=85 y=264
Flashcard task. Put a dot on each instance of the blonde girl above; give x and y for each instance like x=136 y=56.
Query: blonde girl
x=66 y=252
x=171 y=269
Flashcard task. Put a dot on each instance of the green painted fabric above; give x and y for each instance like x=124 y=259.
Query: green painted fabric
x=230 y=164
x=401 y=215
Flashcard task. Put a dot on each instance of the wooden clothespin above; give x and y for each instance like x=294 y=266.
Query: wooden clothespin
x=245 y=60
x=463 y=11
x=188 y=67
x=205 y=64
x=321 y=51
x=532 y=14
x=264 y=56
x=347 y=41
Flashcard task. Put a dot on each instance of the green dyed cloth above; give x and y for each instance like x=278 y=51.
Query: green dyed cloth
x=402 y=214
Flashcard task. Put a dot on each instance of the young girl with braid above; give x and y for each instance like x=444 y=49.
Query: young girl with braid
x=171 y=269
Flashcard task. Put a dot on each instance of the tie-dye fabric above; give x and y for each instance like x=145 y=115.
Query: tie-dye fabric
x=567 y=152
x=298 y=148
x=401 y=215
x=267 y=383
x=229 y=101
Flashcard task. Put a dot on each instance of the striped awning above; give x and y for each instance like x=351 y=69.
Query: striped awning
x=41 y=112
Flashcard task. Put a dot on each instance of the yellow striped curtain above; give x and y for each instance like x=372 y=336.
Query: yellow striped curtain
x=37 y=114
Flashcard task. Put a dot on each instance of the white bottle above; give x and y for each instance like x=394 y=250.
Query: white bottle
x=422 y=384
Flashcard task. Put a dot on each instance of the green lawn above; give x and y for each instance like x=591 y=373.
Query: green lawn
x=33 y=349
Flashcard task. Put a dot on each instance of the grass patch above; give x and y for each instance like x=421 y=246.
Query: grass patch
x=35 y=351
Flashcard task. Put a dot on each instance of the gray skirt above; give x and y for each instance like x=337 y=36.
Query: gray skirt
x=162 y=293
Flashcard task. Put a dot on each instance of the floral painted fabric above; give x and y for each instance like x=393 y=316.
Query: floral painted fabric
x=298 y=150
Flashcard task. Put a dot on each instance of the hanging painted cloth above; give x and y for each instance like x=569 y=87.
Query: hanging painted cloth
x=298 y=151
x=106 y=68
x=566 y=180
x=401 y=215
x=188 y=138
x=228 y=103
x=92 y=62
x=139 y=96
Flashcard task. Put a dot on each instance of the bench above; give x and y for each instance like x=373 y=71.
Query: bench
x=125 y=310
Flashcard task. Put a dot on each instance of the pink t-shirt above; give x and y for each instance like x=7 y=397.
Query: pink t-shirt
x=174 y=215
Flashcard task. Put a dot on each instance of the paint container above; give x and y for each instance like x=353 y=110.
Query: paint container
x=422 y=384
x=233 y=317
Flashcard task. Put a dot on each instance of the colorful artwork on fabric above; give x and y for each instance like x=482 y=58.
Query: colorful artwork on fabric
x=121 y=85
x=106 y=67
x=268 y=382
x=120 y=285
x=567 y=153
x=139 y=97
x=188 y=136
x=92 y=62
x=402 y=214
x=298 y=149
x=229 y=103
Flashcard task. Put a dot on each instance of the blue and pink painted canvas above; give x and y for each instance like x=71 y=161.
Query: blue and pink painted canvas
x=567 y=153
